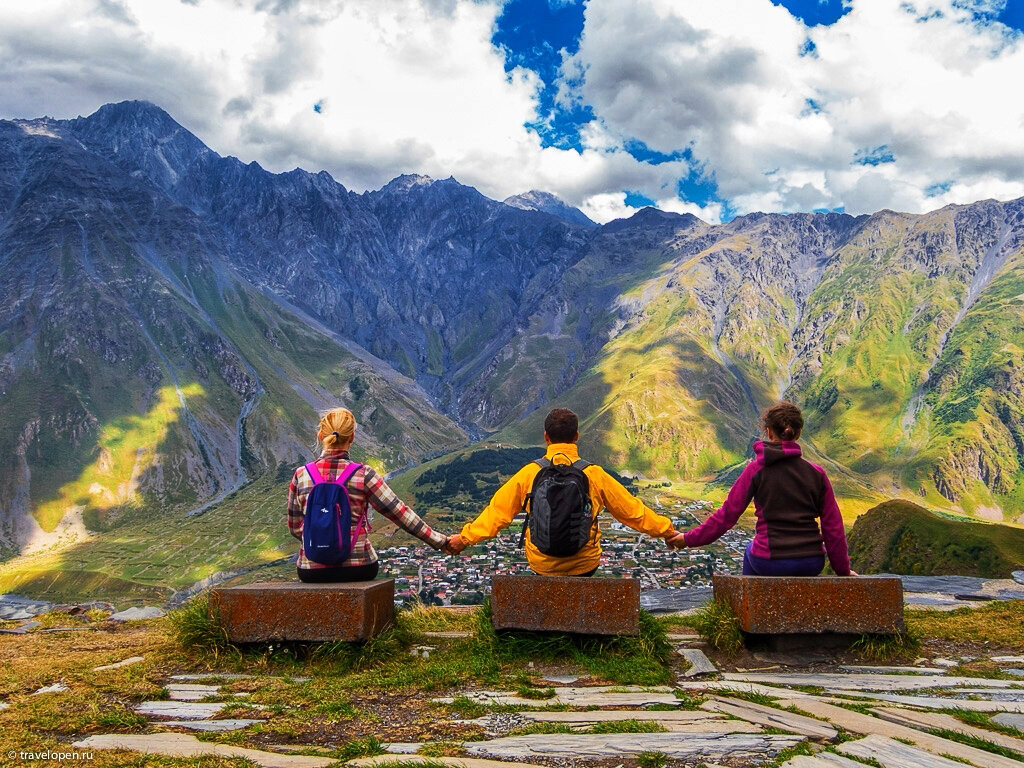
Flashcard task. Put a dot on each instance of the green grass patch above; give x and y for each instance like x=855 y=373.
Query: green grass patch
x=640 y=660
x=718 y=625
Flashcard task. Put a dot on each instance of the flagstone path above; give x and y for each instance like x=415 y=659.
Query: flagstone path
x=902 y=721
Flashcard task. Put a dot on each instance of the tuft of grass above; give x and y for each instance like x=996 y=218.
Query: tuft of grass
x=638 y=660
x=888 y=647
x=803 y=748
x=442 y=749
x=529 y=692
x=685 y=702
x=976 y=742
x=982 y=720
x=718 y=625
x=422 y=618
x=197 y=627
x=540 y=727
x=367 y=747
x=753 y=697
x=652 y=760
x=628 y=726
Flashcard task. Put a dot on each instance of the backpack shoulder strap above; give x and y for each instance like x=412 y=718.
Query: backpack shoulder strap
x=543 y=463
x=314 y=473
x=581 y=464
x=347 y=473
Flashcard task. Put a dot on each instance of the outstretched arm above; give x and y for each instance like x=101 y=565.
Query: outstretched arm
x=504 y=506
x=629 y=510
x=383 y=499
x=725 y=518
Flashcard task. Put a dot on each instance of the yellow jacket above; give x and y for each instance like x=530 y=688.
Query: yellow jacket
x=605 y=492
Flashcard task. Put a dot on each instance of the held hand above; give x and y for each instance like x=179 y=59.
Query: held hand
x=454 y=545
x=676 y=541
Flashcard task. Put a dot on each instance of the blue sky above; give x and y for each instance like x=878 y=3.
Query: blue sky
x=713 y=108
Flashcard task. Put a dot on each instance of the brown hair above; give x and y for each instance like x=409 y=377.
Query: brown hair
x=561 y=425
x=337 y=428
x=784 y=420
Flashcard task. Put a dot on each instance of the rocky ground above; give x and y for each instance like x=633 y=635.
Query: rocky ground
x=77 y=680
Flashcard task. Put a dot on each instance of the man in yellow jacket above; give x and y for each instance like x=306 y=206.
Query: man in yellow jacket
x=561 y=431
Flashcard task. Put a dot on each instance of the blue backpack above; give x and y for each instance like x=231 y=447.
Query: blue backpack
x=327 y=521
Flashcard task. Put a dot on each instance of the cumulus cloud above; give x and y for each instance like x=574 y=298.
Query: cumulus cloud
x=367 y=90
x=899 y=104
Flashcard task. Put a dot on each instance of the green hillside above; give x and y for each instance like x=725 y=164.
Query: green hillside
x=901 y=537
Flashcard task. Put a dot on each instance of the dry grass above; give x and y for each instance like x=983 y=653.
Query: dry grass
x=1000 y=624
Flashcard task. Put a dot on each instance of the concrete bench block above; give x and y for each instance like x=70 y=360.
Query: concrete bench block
x=585 y=606
x=266 y=611
x=814 y=605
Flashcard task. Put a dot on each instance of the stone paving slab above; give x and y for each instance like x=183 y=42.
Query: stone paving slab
x=118 y=665
x=855 y=722
x=673 y=722
x=600 y=696
x=211 y=726
x=869 y=682
x=182 y=710
x=55 y=688
x=1010 y=720
x=617 y=715
x=138 y=614
x=770 y=717
x=1008 y=659
x=894 y=754
x=573 y=746
x=738 y=687
x=823 y=760
x=939 y=702
x=186 y=745
x=892 y=670
x=916 y=719
x=699 y=663
x=455 y=762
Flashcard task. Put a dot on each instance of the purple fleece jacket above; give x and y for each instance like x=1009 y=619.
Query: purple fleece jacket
x=789 y=495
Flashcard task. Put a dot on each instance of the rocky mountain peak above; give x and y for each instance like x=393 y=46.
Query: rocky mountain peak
x=535 y=200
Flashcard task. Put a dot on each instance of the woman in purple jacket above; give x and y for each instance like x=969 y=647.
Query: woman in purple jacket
x=790 y=494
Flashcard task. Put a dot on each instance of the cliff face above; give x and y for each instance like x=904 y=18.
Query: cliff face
x=172 y=319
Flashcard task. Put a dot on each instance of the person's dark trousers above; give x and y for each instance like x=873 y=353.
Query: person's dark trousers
x=586 y=575
x=789 y=566
x=366 y=572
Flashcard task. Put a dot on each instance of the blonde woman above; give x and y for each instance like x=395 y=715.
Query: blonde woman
x=366 y=489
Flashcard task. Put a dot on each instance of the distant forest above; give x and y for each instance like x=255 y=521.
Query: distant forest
x=477 y=476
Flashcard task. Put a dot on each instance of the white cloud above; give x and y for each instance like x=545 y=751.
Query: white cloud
x=403 y=86
x=781 y=130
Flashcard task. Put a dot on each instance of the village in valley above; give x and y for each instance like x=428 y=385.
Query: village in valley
x=422 y=575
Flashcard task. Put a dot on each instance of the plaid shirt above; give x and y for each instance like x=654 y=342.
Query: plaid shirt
x=364 y=486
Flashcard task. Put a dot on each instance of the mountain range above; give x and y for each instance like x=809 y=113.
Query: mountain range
x=171 y=321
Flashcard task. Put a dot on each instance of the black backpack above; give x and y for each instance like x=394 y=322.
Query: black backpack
x=560 y=514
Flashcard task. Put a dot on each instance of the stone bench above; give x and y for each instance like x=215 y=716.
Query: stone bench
x=585 y=606
x=816 y=605
x=292 y=610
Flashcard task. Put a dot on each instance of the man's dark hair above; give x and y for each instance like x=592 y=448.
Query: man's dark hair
x=561 y=425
